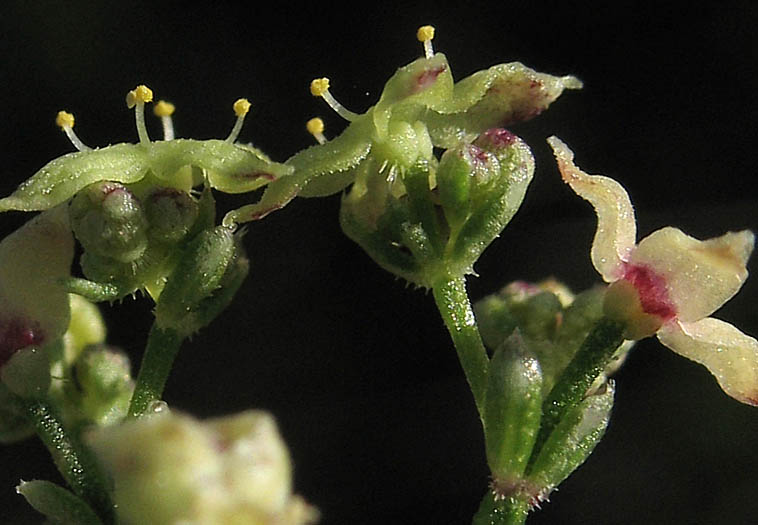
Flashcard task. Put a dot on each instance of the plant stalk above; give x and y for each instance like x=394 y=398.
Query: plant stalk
x=74 y=460
x=455 y=308
x=160 y=352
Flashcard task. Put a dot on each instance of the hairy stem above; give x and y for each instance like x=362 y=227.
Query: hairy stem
x=455 y=308
x=588 y=363
x=161 y=350
x=73 y=459
x=506 y=511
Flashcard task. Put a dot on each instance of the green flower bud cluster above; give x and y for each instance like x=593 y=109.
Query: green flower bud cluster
x=435 y=219
x=535 y=330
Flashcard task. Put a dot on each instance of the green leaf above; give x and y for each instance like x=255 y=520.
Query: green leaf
x=59 y=505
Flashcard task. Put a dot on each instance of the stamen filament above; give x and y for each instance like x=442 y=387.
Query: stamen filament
x=136 y=99
x=425 y=34
x=65 y=121
x=320 y=88
x=164 y=110
x=241 y=107
x=315 y=127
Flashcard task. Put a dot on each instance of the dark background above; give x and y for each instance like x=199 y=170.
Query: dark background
x=357 y=367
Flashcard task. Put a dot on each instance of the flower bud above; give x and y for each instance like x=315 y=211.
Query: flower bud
x=572 y=441
x=105 y=385
x=513 y=408
x=170 y=213
x=228 y=470
x=56 y=503
x=211 y=269
x=109 y=221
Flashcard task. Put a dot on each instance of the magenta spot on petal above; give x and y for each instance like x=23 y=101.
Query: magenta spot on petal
x=427 y=78
x=496 y=138
x=16 y=334
x=477 y=156
x=257 y=175
x=652 y=291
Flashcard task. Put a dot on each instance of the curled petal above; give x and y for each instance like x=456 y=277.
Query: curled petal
x=730 y=355
x=616 y=229
x=700 y=276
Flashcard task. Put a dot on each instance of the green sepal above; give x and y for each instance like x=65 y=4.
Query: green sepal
x=497 y=97
x=62 y=178
x=200 y=275
x=513 y=408
x=60 y=506
x=229 y=167
x=572 y=440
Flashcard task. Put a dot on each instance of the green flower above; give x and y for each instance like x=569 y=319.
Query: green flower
x=421 y=107
x=173 y=163
x=132 y=206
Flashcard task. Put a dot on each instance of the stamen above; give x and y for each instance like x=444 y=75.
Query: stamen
x=320 y=88
x=425 y=34
x=65 y=121
x=241 y=107
x=137 y=97
x=315 y=127
x=164 y=110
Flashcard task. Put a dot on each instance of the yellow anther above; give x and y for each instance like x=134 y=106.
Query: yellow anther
x=64 y=119
x=141 y=93
x=314 y=126
x=241 y=107
x=319 y=86
x=163 y=109
x=425 y=33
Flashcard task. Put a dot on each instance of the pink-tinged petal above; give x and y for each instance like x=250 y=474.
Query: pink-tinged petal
x=616 y=229
x=730 y=355
x=700 y=276
x=34 y=308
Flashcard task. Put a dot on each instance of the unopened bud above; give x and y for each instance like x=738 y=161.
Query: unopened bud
x=109 y=221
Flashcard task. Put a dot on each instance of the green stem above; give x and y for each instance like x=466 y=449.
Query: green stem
x=74 y=461
x=455 y=308
x=161 y=350
x=507 y=511
x=588 y=363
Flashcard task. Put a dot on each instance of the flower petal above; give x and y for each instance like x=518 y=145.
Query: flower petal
x=616 y=229
x=34 y=308
x=700 y=276
x=729 y=354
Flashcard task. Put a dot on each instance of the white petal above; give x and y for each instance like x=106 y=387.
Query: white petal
x=616 y=229
x=32 y=259
x=700 y=276
x=730 y=355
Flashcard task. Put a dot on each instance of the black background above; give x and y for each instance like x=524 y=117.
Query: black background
x=357 y=368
